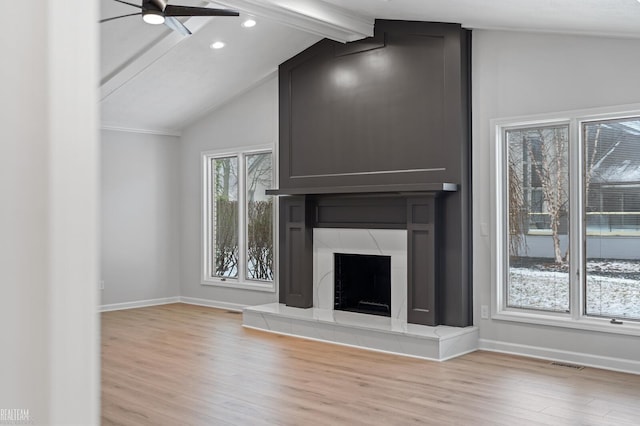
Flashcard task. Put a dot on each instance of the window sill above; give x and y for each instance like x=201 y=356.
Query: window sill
x=602 y=325
x=268 y=287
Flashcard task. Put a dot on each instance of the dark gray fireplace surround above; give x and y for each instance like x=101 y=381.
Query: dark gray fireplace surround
x=375 y=134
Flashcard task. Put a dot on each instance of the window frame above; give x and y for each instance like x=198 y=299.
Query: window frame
x=505 y=202
x=241 y=281
x=576 y=318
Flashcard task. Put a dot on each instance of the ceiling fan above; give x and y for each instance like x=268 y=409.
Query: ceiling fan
x=159 y=12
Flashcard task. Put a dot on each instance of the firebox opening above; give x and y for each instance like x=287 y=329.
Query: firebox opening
x=363 y=283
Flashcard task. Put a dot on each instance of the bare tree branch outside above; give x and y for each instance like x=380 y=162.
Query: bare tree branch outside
x=225 y=209
x=538 y=200
x=259 y=217
x=537 y=188
x=258 y=176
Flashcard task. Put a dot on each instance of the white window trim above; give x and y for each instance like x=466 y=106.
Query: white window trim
x=499 y=310
x=206 y=235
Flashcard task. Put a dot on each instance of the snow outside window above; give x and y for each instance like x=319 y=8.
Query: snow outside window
x=569 y=217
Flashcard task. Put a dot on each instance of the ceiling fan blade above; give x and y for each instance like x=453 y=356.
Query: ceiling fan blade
x=176 y=25
x=197 y=11
x=118 y=17
x=130 y=4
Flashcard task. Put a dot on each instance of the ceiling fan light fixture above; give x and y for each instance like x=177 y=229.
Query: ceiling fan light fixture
x=153 y=17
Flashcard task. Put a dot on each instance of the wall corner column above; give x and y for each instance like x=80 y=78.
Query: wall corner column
x=296 y=251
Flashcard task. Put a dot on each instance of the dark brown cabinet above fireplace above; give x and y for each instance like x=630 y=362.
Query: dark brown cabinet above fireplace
x=383 y=118
x=393 y=111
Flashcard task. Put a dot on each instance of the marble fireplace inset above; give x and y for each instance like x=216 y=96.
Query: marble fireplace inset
x=390 y=243
x=388 y=334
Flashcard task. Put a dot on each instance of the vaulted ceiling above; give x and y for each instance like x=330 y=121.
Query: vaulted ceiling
x=153 y=79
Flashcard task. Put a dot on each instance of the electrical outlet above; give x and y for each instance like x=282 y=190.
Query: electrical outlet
x=484 y=312
x=101 y=284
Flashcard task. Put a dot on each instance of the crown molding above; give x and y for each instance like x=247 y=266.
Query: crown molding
x=312 y=16
x=161 y=132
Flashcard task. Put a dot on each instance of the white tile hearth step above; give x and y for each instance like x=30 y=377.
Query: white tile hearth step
x=365 y=331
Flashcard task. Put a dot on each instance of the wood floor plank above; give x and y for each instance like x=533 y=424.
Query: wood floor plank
x=189 y=365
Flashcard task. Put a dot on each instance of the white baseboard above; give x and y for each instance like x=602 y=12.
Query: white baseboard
x=138 y=304
x=587 y=360
x=178 y=299
x=213 y=303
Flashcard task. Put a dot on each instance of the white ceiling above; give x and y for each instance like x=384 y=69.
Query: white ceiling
x=153 y=79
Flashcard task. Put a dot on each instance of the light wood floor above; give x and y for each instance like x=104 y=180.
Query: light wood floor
x=188 y=365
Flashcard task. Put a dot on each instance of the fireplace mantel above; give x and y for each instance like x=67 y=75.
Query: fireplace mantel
x=418 y=213
x=366 y=189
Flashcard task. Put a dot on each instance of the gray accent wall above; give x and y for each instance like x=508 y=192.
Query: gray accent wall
x=140 y=209
x=518 y=74
x=151 y=204
x=390 y=111
x=248 y=120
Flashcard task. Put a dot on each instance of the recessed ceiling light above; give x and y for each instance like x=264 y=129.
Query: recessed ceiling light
x=217 y=45
x=252 y=23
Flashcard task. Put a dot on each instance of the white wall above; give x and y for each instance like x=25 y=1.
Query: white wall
x=517 y=74
x=140 y=177
x=249 y=120
x=49 y=354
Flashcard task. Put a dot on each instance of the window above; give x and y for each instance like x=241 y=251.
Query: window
x=568 y=219
x=538 y=194
x=224 y=215
x=238 y=220
x=612 y=217
x=259 y=208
